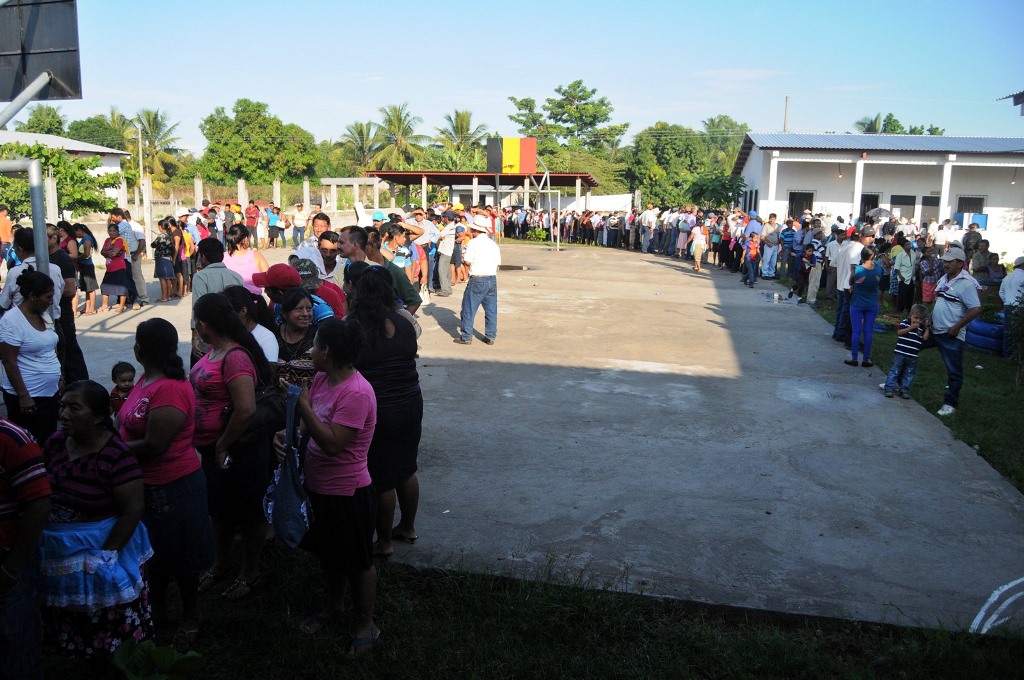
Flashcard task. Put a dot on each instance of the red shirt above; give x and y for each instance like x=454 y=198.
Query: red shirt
x=251 y=213
x=22 y=477
x=181 y=458
x=117 y=400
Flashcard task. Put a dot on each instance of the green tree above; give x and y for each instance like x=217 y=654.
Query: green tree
x=724 y=137
x=459 y=134
x=78 y=190
x=715 y=189
x=579 y=115
x=892 y=125
x=96 y=130
x=45 y=120
x=869 y=125
x=400 y=144
x=450 y=159
x=610 y=175
x=915 y=130
x=158 y=144
x=361 y=142
x=936 y=130
x=663 y=160
x=252 y=144
x=531 y=123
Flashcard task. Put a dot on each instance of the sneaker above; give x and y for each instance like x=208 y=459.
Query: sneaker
x=905 y=395
x=851 y=362
x=790 y=294
x=460 y=341
x=946 y=410
x=888 y=394
x=488 y=341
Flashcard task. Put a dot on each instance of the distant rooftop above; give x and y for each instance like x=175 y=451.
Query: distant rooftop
x=55 y=142
x=864 y=142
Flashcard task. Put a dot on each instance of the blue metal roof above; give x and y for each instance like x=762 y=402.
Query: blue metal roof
x=862 y=142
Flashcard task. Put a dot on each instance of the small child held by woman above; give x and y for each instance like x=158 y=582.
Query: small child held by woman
x=123 y=375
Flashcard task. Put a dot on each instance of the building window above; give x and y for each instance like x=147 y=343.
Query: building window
x=905 y=205
x=970 y=204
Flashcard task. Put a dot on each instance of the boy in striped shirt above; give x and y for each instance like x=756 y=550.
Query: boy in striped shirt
x=913 y=332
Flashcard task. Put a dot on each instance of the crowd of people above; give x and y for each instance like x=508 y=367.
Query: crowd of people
x=110 y=495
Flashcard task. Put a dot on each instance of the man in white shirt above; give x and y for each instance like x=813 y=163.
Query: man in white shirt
x=648 y=221
x=136 y=255
x=445 y=249
x=483 y=257
x=1010 y=290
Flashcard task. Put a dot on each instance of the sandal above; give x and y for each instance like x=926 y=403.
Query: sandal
x=241 y=589
x=360 y=646
x=404 y=538
x=209 y=577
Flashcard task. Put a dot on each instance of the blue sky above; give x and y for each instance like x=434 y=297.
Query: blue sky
x=324 y=65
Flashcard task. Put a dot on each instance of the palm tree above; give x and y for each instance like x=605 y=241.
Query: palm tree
x=121 y=125
x=459 y=135
x=361 y=142
x=158 y=142
x=869 y=125
x=400 y=145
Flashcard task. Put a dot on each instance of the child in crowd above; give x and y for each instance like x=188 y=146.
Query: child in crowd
x=123 y=375
x=807 y=261
x=912 y=332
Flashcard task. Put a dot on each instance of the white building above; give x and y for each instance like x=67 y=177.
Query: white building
x=919 y=177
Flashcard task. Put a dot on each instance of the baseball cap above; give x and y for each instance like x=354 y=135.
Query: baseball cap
x=1019 y=262
x=867 y=231
x=458 y=206
x=449 y=214
x=379 y=215
x=309 y=273
x=752 y=213
x=954 y=254
x=278 y=276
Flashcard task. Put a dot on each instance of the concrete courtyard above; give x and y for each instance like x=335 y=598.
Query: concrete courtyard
x=643 y=427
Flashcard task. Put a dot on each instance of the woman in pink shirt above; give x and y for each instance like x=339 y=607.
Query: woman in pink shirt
x=157 y=422
x=338 y=411
x=241 y=259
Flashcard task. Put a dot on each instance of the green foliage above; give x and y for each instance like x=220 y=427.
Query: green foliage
x=145 y=661
x=159 y=156
x=45 y=120
x=531 y=123
x=254 y=145
x=891 y=125
x=663 y=160
x=869 y=125
x=400 y=145
x=77 y=189
x=449 y=159
x=579 y=115
x=609 y=175
x=96 y=130
x=459 y=134
x=537 y=234
x=360 y=143
x=724 y=137
x=716 y=188
x=1015 y=327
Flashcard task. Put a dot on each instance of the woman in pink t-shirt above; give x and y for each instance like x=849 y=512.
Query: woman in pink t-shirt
x=157 y=422
x=338 y=412
x=237 y=475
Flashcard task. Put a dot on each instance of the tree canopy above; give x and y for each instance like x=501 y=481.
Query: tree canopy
x=400 y=144
x=45 y=120
x=254 y=145
x=575 y=116
x=891 y=125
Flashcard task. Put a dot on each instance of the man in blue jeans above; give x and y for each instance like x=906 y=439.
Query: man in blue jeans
x=956 y=305
x=483 y=257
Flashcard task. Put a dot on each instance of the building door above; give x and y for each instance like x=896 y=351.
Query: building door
x=867 y=202
x=929 y=208
x=799 y=201
x=906 y=205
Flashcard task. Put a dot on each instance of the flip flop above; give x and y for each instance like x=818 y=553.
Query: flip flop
x=404 y=538
x=360 y=646
x=208 y=578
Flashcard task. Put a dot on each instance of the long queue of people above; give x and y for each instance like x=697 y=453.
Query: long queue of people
x=107 y=496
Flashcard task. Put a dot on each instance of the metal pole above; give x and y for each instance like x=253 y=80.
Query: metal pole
x=27 y=95
x=35 y=194
x=785 y=121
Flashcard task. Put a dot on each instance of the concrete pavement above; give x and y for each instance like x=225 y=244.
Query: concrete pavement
x=643 y=427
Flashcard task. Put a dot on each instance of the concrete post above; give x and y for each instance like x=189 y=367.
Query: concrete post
x=579 y=190
x=197 y=190
x=423 y=192
x=305 y=193
x=243 y=194
x=355 y=193
x=586 y=204
x=50 y=196
x=147 y=207
x=334 y=197
x=773 y=179
x=858 y=188
x=476 y=190
x=526 y=193
x=277 y=192
x=376 y=193
x=947 y=177
x=122 y=193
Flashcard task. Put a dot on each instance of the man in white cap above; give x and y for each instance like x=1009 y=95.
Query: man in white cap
x=483 y=257
x=956 y=305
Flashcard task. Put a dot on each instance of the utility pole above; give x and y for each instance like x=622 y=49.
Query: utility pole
x=785 y=120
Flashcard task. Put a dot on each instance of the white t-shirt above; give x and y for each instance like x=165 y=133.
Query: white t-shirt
x=697 y=233
x=11 y=295
x=268 y=343
x=848 y=256
x=446 y=240
x=483 y=256
x=37 y=355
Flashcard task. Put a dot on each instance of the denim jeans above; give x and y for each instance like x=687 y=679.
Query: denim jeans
x=19 y=630
x=901 y=375
x=298 y=235
x=749 y=272
x=952 y=352
x=862 y=319
x=480 y=290
x=769 y=256
x=841 y=330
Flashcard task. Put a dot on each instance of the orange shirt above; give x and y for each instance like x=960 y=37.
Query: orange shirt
x=6 y=229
